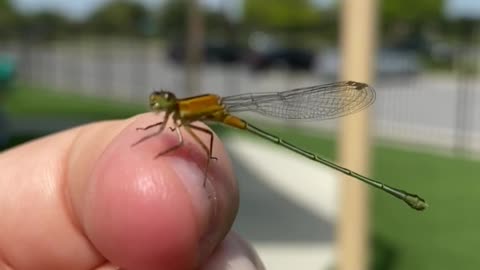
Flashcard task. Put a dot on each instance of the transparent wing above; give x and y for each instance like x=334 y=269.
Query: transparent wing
x=316 y=102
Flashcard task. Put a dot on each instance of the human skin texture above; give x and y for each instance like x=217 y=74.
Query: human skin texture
x=85 y=198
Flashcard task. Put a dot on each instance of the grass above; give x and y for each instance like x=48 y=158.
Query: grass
x=25 y=101
x=445 y=236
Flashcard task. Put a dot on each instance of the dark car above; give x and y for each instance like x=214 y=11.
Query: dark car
x=291 y=58
x=212 y=53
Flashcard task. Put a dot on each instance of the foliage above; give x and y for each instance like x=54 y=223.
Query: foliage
x=124 y=17
x=281 y=14
x=10 y=20
x=411 y=11
x=404 y=23
x=32 y=101
x=120 y=18
x=47 y=24
x=173 y=18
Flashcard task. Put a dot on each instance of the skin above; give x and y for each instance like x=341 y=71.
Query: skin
x=85 y=198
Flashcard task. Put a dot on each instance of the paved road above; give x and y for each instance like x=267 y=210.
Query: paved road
x=288 y=205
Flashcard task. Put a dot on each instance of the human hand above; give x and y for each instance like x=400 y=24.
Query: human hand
x=85 y=199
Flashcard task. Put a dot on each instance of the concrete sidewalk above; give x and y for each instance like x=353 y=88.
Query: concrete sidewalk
x=288 y=205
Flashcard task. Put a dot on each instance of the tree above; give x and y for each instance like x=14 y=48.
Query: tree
x=281 y=14
x=173 y=18
x=411 y=11
x=47 y=25
x=404 y=22
x=10 y=20
x=121 y=18
x=411 y=15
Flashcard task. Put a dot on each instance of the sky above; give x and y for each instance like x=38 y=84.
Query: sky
x=81 y=9
x=463 y=8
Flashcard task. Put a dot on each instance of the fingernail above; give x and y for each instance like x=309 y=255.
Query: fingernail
x=202 y=196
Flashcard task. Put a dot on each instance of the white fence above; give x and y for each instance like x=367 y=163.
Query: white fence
x=437 y=110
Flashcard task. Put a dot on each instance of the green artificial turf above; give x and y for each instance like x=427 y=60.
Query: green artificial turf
x=25 y=101
x=445 y=236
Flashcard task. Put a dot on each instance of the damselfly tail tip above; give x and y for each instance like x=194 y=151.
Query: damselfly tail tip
x=416 y=202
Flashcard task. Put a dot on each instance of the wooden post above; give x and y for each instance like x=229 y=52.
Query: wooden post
x=194 y=47
x=358 y=41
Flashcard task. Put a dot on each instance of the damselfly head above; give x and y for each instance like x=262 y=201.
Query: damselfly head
x=161 y=101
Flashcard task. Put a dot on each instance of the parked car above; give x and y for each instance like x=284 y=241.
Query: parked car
x=281 y=57
x=213 y=52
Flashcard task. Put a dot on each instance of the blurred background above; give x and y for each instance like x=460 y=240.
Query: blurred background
x=64 y=63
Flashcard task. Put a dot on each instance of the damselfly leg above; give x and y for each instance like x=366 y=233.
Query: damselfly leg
x=162 y=125
x=188 y=127
x=209 y=150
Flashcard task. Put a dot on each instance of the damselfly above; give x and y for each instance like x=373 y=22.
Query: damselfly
x=316 y=102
